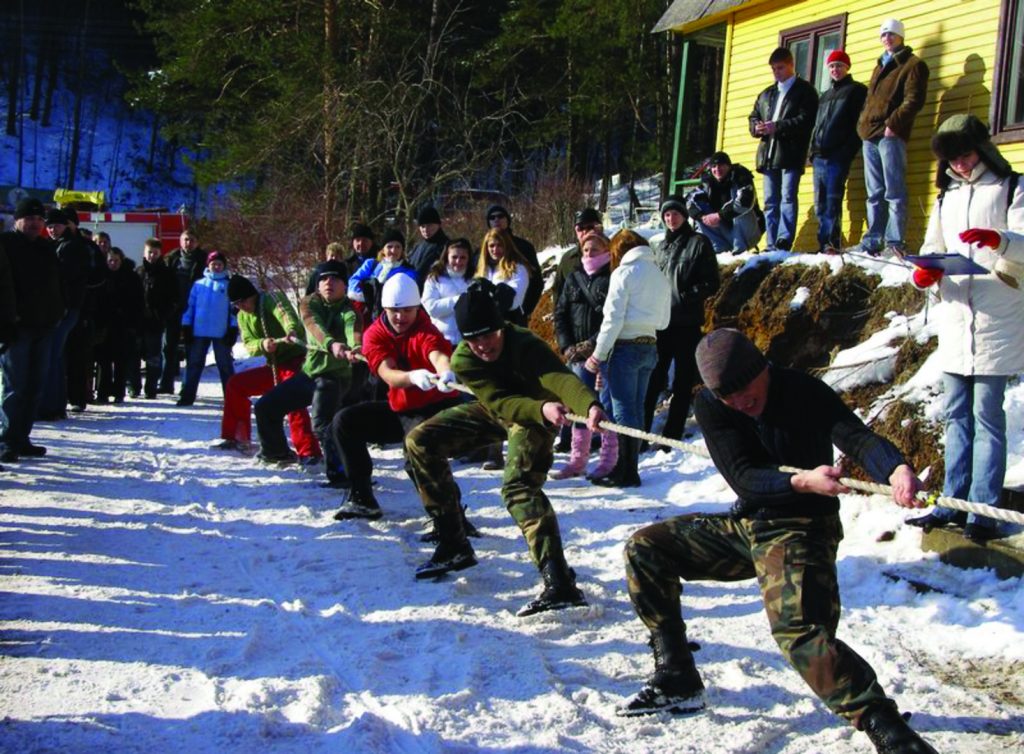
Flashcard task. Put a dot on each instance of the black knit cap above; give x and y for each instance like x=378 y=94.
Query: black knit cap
x=589 y=215
x=392 y=234
x=362 y=230
x=332 y=268
x=29 y=207
x=240 y=288
x=674 y=201
x=719 y=158
x=497 y=209
x=427 y=215
x=728 y=361
x=56 y=217
x=478 y=311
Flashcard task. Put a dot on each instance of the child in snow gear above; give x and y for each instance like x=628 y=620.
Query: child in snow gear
x=524 y=392
x=208 y=321
x=784 y=530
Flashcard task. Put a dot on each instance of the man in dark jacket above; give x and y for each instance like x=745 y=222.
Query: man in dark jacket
x=362 y=247
x=73 y=255
x=834 y=144
x=499 y=219
x=782 y=119
x=784 y=530
x=587 y=221
x=160 y=300
x=80 y=346
x=688 y=261
x=432 y=242
x=187 y=262
x=896 y=94
x=725 y=206
x=39 y=303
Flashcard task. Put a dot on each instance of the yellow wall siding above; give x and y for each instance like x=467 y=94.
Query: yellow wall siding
x=961 y=66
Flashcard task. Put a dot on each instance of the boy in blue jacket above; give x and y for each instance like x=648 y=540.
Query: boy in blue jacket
x=208 y=320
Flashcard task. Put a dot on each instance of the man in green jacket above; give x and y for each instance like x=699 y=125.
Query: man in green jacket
x=524 y=393
x=265 y=320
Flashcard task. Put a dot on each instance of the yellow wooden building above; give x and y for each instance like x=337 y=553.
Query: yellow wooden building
x=973 y=48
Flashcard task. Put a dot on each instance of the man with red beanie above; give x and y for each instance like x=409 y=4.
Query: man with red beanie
x=834 y=144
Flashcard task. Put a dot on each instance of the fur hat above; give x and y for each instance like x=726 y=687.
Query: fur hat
x=478 y=310
x=362 y=230
x=400 y=291
x=728 y=361
x=963 y=133
x=427 y=215
x=240 y=288
x=29 y=207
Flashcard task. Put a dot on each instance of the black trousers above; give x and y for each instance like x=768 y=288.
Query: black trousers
x=675 y=344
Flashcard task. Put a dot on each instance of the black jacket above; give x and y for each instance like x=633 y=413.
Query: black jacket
x=121 y=303
x=716 y=196
x=159 y=294
x=802 y=419
x=425 y=253
x=188 y=269
x=579 y=311
x=835 y=129
x=35 y=273
x=75 y=258
x=688 y=260
x=787 y=148
x=570 y=261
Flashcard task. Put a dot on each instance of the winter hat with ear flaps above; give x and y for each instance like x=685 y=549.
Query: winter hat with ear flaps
x=960 y=134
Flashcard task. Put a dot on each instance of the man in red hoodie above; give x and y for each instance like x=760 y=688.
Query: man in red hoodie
x=410 y=355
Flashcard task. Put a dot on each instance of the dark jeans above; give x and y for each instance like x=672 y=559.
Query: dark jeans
x=23 y=369
x=293 y=394
x=55 y=392
x=172 y=363
x=374 y=422
x=153 y=355
x=829 y=188
x=114 y=357
x=79 y=353
x=678 y=344
x=197 y=361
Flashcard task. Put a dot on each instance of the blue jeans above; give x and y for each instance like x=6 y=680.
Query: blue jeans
x=975 y=440
x=197 y=361
x=23 y=369
x=629 y=372
x=736 y=235
x=589 y=379
x=780 y=207
x=829 y=188
x=885 y=178
x=55 y=391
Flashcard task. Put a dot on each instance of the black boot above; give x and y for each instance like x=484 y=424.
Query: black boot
x=930 y=521
x=433 y=536
x=625 y=472
x=360 y=503
x=889 y=732
x=559 y=588
x=453 y=553
x=676 y=685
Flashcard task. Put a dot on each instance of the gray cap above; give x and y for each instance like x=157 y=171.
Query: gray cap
x=728 y=361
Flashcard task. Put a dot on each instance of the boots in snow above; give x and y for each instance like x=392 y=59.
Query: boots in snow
x=433 y=536
x=578 y=454
x=609 y=455
x=360 y=503
x=889 y=732
x=453 y=553
x=625 y=472
x=676 y=686
x=559 y=589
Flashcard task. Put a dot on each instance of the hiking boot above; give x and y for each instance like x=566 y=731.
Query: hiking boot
x=676 y=686
x=559 y=591
x=433 y=536
x=889 y=732
x=931 y=521
x=495 y=458
x=28 y=450
x=980 y=533
x=453 y=553
x=360 y=503
x=280 y=459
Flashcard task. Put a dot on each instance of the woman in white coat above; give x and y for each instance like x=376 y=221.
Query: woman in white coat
x=979 y=213
x=638 y=304
x=447 y=280
x=501 y=263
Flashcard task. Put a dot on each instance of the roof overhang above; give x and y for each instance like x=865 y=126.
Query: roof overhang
x=684 y=15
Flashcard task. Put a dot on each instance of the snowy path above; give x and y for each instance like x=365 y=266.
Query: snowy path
x=159 y=596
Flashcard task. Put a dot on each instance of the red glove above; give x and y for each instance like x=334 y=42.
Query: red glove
x=982 y=237
x=925 y=278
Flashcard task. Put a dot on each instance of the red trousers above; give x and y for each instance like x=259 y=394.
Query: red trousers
x=236 y=423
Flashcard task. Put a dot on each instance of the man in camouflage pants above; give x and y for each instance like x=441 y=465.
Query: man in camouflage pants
x=784 y=530
x=524 y=392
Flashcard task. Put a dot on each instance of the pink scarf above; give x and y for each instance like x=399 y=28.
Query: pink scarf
x=593 y=264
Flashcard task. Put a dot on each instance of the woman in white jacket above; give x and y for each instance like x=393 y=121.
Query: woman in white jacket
x=638 y=304
x=980 y=214
x=447 y=280
x=501 y=263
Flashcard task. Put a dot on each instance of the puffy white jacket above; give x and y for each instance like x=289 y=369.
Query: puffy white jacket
x=981 y=318
x=439 y=296
x=639 y=301
x=519 y=282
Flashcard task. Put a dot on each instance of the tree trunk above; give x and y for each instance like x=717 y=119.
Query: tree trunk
x=330 y=54
x=51 y=84
x=15 y=50
x=76 y=129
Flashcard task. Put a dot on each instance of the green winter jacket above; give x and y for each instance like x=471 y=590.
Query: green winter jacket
x=275 y=317
x=326 y=324
x=527 y=375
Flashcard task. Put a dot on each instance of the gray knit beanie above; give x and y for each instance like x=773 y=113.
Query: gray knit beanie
x=728 y=361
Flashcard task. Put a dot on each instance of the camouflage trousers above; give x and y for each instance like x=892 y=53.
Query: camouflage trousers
x=794 y=562
x=458 y=430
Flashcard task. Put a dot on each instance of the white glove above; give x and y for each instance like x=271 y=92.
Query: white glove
x=422 y=378
x=447 y=380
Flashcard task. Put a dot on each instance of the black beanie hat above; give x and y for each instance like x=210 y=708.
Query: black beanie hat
x=427 y=215
x=719 y=158
x=362 y=230
x=332 y=268
x=497 y=209
x=588 y=215
x=478 y=310
x=392 y=234
x=56 y=217
x=728 y=361
x=240 y=288
x=29 y=207
x=673 y=202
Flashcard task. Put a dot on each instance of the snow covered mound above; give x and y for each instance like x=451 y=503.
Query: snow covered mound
x=160 y=596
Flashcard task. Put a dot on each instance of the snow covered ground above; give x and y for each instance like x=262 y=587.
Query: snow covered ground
x=160 y=596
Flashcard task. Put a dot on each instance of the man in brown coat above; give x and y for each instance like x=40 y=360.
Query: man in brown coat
x=895 y=95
